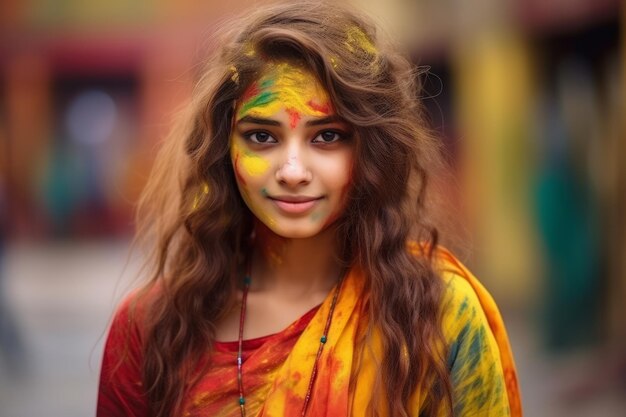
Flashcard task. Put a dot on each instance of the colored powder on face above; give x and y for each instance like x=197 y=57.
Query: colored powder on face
x=259 y=100
x=289 y=87
x=316 y=216
x=294 y=118
x=254 y=164
x=264 y=192
x=261 y=214
x=357 y=39
x=251 y=163
x=250 y=92
x=322 y=108
x=269 y=221
x=240 y=178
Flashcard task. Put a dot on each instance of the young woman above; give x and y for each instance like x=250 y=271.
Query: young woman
x=294 y=270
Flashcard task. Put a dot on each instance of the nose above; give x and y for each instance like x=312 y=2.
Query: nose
x=293 y=172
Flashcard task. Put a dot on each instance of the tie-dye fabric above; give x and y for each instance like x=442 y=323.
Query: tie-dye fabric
x=277 y=368
x=480 y=359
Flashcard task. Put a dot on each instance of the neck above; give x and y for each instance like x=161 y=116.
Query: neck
x=295 y=268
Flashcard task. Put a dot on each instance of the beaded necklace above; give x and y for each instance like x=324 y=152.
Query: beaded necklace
x=242 y=399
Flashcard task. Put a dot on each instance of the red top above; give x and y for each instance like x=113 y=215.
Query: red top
x=216 y=393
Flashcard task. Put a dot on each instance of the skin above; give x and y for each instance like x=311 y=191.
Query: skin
x=288 y=144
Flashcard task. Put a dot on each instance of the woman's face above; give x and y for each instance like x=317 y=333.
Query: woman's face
x=291 y=154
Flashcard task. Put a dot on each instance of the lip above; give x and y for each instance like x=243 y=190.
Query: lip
x=294 y=204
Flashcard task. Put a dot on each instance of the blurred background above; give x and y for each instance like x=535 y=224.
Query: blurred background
x=526 y=94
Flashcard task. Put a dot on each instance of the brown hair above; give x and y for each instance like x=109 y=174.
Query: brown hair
x=192 y=213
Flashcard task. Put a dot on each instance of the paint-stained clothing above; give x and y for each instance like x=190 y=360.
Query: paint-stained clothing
x=277 y=368
x=473 y=357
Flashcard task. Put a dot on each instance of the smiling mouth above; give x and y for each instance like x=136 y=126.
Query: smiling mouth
x=294 y=204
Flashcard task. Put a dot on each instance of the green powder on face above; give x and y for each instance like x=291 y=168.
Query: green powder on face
x=266 y=97
x=316 y=216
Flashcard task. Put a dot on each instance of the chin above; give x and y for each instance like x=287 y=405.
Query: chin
x=297 y=228
x=296 y=233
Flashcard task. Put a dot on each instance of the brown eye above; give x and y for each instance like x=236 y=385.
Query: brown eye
x=260 y=137
x=327 y=136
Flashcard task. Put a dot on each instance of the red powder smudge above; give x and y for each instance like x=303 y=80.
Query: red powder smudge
x=237 y=174
x=292 y=400
x=325 y=108
x=250 y=92
x=294 y=118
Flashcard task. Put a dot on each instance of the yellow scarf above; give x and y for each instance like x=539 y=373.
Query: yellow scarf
x=340 y=392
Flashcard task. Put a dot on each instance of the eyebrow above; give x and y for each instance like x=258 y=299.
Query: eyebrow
x=271 y=122
x=259 y=121
x=324 y=121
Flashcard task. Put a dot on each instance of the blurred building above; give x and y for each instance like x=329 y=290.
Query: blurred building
x=527 y=95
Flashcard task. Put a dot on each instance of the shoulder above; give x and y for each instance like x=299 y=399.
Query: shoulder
x=120 y=391
x=467 y=307
x=465 y=300
x=477 y=345
x=479 y=356
x=135 y=306
x=132 y=310
x=128 y=325
x=125 y=332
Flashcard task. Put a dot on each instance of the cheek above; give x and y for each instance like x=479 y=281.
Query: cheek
x=341 y=183
x=240 y=178
x=338 y=179
x=254 y=165
x=339 y=172
x=248 y=166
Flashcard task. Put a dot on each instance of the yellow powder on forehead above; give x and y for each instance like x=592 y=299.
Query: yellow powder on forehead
x=285 y=86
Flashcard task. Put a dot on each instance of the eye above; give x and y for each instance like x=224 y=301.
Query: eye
x=328 y=136
x=260 y=137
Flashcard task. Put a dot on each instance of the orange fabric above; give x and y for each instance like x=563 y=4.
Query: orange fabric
x=335 y=395
x=217 y=392
x=277 y=368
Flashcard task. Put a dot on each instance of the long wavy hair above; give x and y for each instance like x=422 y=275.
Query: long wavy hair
x=198 y=227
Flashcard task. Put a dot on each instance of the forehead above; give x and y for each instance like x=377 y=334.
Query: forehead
x=285 y=86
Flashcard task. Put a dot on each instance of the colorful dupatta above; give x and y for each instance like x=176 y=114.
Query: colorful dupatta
x=451 y=268
x=347 y=369
x=277 y=368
